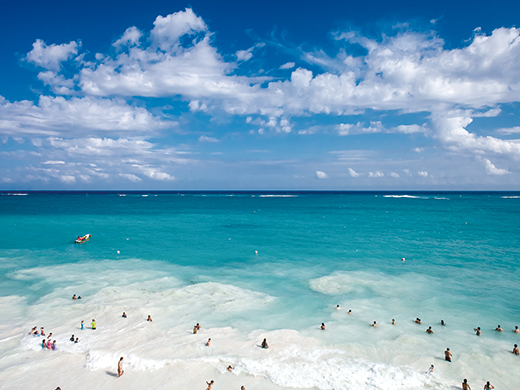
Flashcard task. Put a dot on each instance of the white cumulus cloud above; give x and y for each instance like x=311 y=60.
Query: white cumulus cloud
x=491 y=169
x=353 y=173
x=50 y=57
x=321 y=175
x=288 y=65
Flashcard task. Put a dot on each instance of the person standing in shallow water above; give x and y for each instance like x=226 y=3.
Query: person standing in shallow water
x=477 y=331
x=120 y=370
x=264 y=344
x=447 y=355
x=488 y=386
x=93 y=324
x=322 y=326
x=516 y=351
x=465 y=385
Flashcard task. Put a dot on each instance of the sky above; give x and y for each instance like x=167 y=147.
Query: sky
x=271 y=95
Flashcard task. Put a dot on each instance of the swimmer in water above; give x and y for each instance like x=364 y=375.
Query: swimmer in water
x=477 y=330
x=374 y=324
x=429 y=330
x=230 y=368
x=430 y=370
x=42 y=332
x=393 y=321
x=516 y=351
x=322 y=326
x=149 y=319
x=465 y=385
x=77 y=340
x=54 y=345
x=210 y=384
x=120 y=370
x=443 y=323
x=197 y=326
x=208 y=343
x=74 y=296
x=72 y=338
x=349 y=311
x=93 y=324
x=488 y=386
x=514 y=330
x=337 y=307
x=124 y=315
x=264 y=344
x=44 y=344
x=447 y=355
x=82 y=325
x=418 y=321
x=499 y=329
x=195 y=330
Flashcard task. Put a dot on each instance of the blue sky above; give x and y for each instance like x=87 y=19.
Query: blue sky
x=314 y=95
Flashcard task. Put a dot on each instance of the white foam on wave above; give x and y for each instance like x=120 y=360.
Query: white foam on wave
x=277 y=196
x=510 y=197
x=15 y=194
x=405 y=196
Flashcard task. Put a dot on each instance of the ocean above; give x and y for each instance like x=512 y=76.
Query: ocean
x=255 y=265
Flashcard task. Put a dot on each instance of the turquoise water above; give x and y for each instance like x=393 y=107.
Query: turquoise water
x=314 y=250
